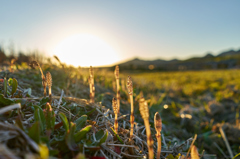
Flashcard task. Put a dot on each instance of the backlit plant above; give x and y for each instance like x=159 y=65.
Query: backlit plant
x=116 y=72
x=130 y=92
x=115 y=110
x=194 y=152
x=12 y=62
x=44 y=83
x=158 y=128
x=91 y=84
x=50 y=119
x=49 y=84
x=143 y=108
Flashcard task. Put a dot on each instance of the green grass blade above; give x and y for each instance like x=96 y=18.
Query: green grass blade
x=91 y=111
x=13 y=82
x=5 y=101
x=82 y=133
x=65 y=121
x=39 y=116
x=34 y=132
x=119 y=139
x=80 y=122
x=70 y=138
x=104 y=137
x=5 y=86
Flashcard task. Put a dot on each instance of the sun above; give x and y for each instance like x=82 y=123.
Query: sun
x=85 y=50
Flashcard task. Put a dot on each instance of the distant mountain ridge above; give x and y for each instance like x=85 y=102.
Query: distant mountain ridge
x=225 y=60
x=229 y=53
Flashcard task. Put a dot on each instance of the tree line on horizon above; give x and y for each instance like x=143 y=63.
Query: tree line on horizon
x=6 y=56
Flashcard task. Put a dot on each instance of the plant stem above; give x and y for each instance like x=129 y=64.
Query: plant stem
x=5 y=86
x=118 y=95
x=118 y=90
x=158 y=128
x=91 y=85
x=132 y=116
x=115 y=110
x=130 y=92
x=116 y=123
x=159 y=145
x=144 y=111
x=149 y=139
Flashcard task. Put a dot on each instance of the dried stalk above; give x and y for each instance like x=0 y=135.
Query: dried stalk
x=91 y=85
x=130 y=92
x=44 y=83
x=194 y=152
x=194 y=139
x=121 y=117
x=10 y=107
x=59 y=102
x=131 y=156
x=220 y=149
x=115 y=109
x=59 y=61
x=5 y=86
x=114 y=85
x=158 y=127
x=6 y=152
x=116 y=72
x=226 y=142
x=68 y=85
x=110 y=151
x=143 y=108
x=123 y=86
x=103 y=154
x=49 y=84
x=120 y=145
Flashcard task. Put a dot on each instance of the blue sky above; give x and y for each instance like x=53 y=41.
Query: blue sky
x=145 y=29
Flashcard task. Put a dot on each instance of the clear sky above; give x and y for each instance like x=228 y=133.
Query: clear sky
x=137 y=28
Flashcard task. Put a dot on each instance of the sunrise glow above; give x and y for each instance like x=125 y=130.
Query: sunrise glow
x=85 y=50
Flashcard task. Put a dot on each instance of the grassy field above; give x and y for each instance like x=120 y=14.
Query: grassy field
x=194 y=102
x=199 y=102
x=189 y=103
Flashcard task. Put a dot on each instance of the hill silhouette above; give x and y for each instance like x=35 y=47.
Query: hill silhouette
x=225 y=60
